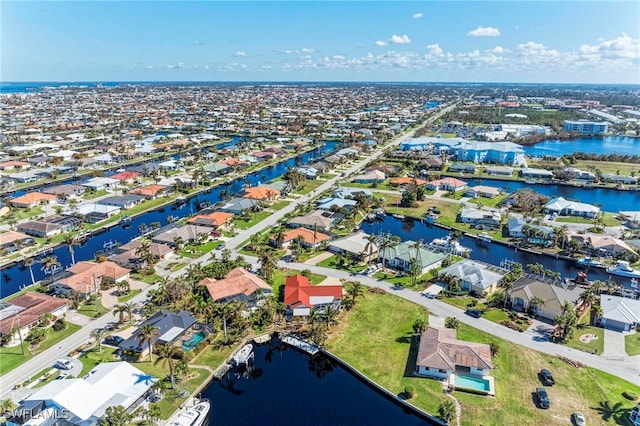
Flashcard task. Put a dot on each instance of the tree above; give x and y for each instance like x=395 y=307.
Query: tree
x=535 y=303
x=278 y=238
x=451 y=322
x=115 y=416
x=70 y=241
x=99 y=334
x=354 y=290
x=6 y=405
x=49 y=264
x=419 y=326
x=446 y=410
x=152 y=414
x=414 y=271
x=370 y=246
x=166 y=358
x=147 y=335
x=28 y=263
x=268 y=264
x=144 y=252
x=330 y=316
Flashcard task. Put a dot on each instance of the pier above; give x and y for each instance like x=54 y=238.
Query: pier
x=297 y=343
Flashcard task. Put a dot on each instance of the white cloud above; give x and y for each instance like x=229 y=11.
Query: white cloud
x=239 y=54
x=403 y=39
x=418 y=15
x=484 y=32
x=622 y=47
x=179 y=65
x=198 y=43
x=381 y=43
x=308 y=50
x=435 y=50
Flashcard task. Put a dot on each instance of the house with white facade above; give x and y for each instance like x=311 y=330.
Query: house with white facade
x=619 y=313
x=563 y=207
x=476 y=277
x=480 y=218
x=401 y=255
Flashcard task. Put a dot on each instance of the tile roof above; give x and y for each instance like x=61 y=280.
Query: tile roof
x=407 y=180
x=211 y=219
x=82 y=279
x=148 y=190
x=237 y=282
x=440 y=349
x=33 y=305
x=306 y=234
x=33 y=197
x=261 y=193
x=298 y=292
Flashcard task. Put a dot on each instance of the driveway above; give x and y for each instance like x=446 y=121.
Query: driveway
x=614 y=344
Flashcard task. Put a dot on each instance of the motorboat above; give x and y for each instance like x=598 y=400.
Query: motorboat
x=484 y=237
x=181 y=200
x=448 y=245
x=194 y=416
x=243 y=355
x=110 y=245
x=589 y=262
x=399 y=216
x=623 y=269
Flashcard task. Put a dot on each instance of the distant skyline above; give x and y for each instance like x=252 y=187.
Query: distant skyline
x=502 y=41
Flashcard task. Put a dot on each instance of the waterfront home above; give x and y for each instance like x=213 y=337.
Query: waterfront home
x=482 y=191
x=171 y=327
x=309 y=172
x=529 y=173
x=235 y=163
x=94 y=212
x=307 y=237
x=65 y=191
x=126 y=176
x=351 y=193
x=217 y=169
x=32 y=199
x=150 y=192
x=402 y=181
x=336 y=204
x=476 y=277
x=602 y=245
x=462 y=168
x=127 y=254
x=447 y=184
x=84 y=401
x=261 y=193
x=441 y=355
x=498 y=171
x=176 y=182
x=101 y=183
x=239 y=205
x=480 y=218
x=24 y=177
x=387 y=169
x=14 y=164
x=320 y=220
x=214 y=219
x=84 y=278
x=374 y=176
x=188 y=234
x=528 y=289
x=517 y=228
x=125 y=201
x=354 y=246
x=563 y=207
x=301 y=297
x=39 y=228
x=239 y=284
x=401 y=256
x=619 y=179
x=432 y=163
x=21 y=313
x=575 y=173
x=12 y=240
x=619 y=313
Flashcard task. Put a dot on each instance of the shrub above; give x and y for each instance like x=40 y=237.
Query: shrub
x=473 y=302
x=410 y=392
x=630 y=395
x=60 y=324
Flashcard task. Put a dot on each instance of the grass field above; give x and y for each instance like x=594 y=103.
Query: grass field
x=594 y=346
x=380 y=326
x=255 y=218
x=279 y=205
x=331 y=262
x=131 y=295
x=608 y=220
x=12 y=357
x=604 y=166
x=632 y=344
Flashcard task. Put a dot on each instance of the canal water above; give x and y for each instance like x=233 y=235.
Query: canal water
x=13 y=277
x=604 y=145
x=492 y=253
x=288 y=387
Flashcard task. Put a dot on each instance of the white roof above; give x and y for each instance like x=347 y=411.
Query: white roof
x=99 y=181
x=107 y=384
x=620 y=309
x=353 y=243
x=85 y=209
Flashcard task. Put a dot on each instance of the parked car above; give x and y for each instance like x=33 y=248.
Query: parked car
x=113 y=340
x=476 y=313
x=220 y=246
x=543 y=398
x=154 y=397
x=63 y=364
x=578 y=419
x=62 y=376
x=546 y=377
x=111 y=326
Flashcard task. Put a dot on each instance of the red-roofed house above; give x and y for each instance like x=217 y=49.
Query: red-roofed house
x=25 y=311
x=407 y=181
x=150 y=192
x=126 y=177
x=308 y=238
x=14 y=164
x=215 y=219
x=301 y=297
x=261 y=193
x=88 y=275
x=447 y=184
x=32 y=199
x=239 y=284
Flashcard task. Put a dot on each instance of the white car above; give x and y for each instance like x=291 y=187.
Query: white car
x=63 y=364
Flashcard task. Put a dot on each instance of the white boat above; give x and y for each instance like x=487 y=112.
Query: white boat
x=448 y=245
x=399 y=216
x=194 y=416
x=243 y=355
x=483 y=236
x=110 y=245
x=587 y=261
x=623 y=269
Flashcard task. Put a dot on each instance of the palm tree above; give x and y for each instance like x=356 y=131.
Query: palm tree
x=49 y=264
x=370 y=245
x=28 y=263
x=70 y=241
x=144 y=252
x=279 y=237
x=354 y=290
x=148 y=333
x=152 y=414
x=535 y=303
x=120 y=310
x=99 y=334
x=267 y=264
x=331 y=315
x=166 y=355
x=447 y=410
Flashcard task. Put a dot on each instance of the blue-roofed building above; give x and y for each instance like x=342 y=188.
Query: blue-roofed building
x=328 y=203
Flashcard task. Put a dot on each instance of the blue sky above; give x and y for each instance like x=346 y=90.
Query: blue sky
x=503 y=41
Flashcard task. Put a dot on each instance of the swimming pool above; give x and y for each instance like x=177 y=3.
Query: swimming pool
x=194 y=341
x=473 y=383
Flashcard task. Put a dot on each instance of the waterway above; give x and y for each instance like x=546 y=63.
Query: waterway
x=288 y=387
x=492 y=252
x=595 y=145
x=13 y=277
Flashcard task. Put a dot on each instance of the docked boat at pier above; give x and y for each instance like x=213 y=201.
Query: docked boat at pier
x=590 y=262
x=448 y=244
x=194 y=416
x=622 y=269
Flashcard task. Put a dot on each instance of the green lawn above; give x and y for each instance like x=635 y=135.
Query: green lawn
x=149 y=279
x=462 y=302
x=255 y=218
x=380 y=326
x=495 y=315
x=93 y=357
x=632 y=344
x=95 y=194
x=594 y=346
x=12 y=357
x=404 y=280
x=129 y=296
x=279 y=205
x=308 y=186
x=89 y=309
x=193 y=251
x=23 y=213
x=489 y=202
x=608 y=220
x=331 y=262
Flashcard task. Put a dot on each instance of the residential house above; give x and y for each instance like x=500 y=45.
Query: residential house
x=498 y=171
x=239 y=205
x=217 y=169
x=552 y=296
x=542 y=174
x=336 y=204
x=127 y=254
x=65 y=191
x=463 y=168
x=66 y=223
x=309 y=238
x=171 y=327
x=432 y=163
x=214 y=219
x=619 y=313
x=476 y=277
x=39 y=228
x=619 y=179
x=261 y=193
x=126 y=201
x=401 y=256
x=480 y=218
x=351 y=193
x=517 y=226
x=94 y=212
x=354 y=246
x=24 y=177
x=301 y=297
x=239 y=284
x=316 y=219
x=483 y=191
x=602 y=245
x=84 y=401
x=407 y=181
x=101 y=183
x=14 y=164
x=447 y=184
x=374 y=176
x=150 y=192
x=309 y=172
x=84 y=278
x=126 y=176
x=26 y=310
x=10 y=240
x=563 y=207
x=32 y=199
x=441 y=355
x=188 y=234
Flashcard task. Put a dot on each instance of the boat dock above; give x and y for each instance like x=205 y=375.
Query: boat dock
x=262 y=339
x=307 y=347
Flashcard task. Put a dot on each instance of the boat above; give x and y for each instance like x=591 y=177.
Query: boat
x=370 y=217
x=483 y=236
x=589 y=262
x=243 y=355
x=181 y=200
x=448 y=245
x=110 y=245
x=380 y=213
x=622 y=269
x=194 y=416
x=399 y=216
x=126 y=219
x=580 y=280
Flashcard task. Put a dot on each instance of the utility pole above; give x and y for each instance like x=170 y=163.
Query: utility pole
x=95 y=288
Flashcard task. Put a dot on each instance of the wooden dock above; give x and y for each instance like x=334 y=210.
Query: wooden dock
x=307 y=347
x=262 y=339
x=219 y=372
